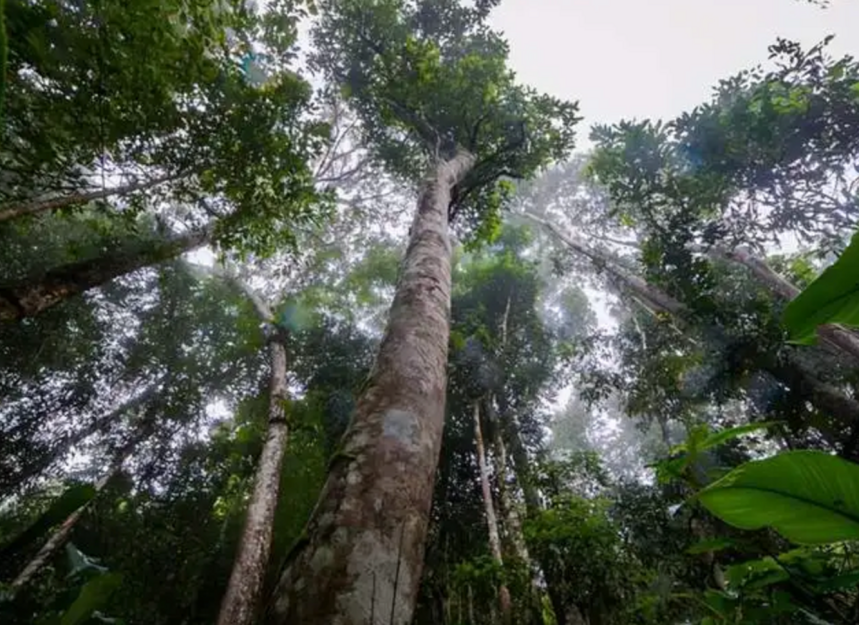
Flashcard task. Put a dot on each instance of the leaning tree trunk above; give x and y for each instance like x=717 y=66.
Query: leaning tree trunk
x=823 y=395
x=11 y=480
x=362 y=557
x=61 y=535
x=46 y=204
x=489 y=510
x=239 y=604
x=28 y=297
x=833 y=335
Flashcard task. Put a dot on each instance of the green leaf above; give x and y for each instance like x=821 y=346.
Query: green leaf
x=93 y=595
x=79 y=562
x=808 y=496
x=847 y=580
x=756 y=574
x=724 y=436
x=706 y=546
x=832 y=298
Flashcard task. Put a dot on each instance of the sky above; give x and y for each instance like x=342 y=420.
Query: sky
x=625 y=59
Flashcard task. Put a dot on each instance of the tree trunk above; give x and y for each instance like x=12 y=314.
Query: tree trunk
x=827 y=398
x=10 y=480
x=362 y=558
x=61 y=535
x=513 y=527
x=246 y=580
x=42 y=205
x=489 y=509
x=521 y=462
x=835 y=336
x=606 y=261
x=513 y=524
x=31 y=296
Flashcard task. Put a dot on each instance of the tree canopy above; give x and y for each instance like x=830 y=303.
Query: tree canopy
x=238 y=385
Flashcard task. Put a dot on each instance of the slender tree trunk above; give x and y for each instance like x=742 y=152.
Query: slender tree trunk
x=513 y=523
x=362 y=559
x=825 y=396
x=565 y=614
x=664 y=431
x=607 y=262
x=16 y=480
x=513 y=526
x=246 y=580
x=31 y=296
x=46 y=204
x=835 y=336
x=521 y=463
x=489 y=509
x=61 y=535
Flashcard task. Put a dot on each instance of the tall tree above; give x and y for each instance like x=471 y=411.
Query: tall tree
x=429 y=83
x=246 y=581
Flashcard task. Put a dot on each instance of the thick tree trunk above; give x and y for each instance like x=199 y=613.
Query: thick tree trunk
x=31 y=296
x=46 y=204
x=61 y=535
x=246 y=580
x=489 y=510
x=362 y=558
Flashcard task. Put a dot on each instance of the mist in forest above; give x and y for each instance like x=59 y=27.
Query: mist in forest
x=429 y=312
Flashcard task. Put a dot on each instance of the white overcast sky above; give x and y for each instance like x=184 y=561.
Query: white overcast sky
x=625 y=59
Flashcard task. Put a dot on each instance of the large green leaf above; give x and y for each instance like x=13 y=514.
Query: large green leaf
x=93 y=595
x=810 y=497
x=79 y=562
x=708 y=546
x=723 y=436
x=832 y=298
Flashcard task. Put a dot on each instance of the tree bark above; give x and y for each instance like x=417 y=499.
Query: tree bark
x=61 y=535
x=833 y=335
x=241 y=599
x=32 y=295
x=513 y=523
x=489 y=510
x=42 y=205
x=521 y=462
x=362 y=558
x=246 y=580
